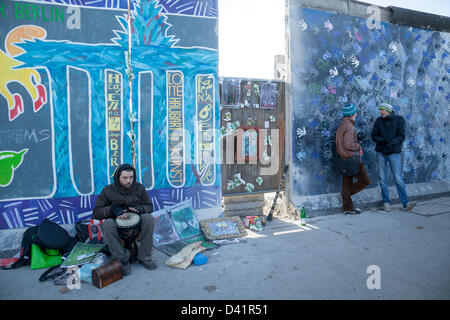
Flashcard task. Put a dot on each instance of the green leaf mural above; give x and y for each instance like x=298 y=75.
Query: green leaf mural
x=9 y=161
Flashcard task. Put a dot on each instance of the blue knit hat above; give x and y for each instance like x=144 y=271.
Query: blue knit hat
x=349 y=109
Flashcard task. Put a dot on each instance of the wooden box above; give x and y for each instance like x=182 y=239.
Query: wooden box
x=107 y=274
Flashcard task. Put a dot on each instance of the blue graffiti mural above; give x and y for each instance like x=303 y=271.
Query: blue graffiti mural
x=80 y=128
x=338 y=59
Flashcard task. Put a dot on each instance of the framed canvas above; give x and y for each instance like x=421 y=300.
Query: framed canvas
x=184 y=220
x=223 y=228
x=164 y=230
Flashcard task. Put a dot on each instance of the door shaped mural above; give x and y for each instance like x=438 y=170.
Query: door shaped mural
x=252 y=135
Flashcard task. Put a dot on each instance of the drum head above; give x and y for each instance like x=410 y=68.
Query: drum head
x=133 y=220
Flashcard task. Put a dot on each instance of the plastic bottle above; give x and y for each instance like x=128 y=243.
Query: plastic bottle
x=303 y=217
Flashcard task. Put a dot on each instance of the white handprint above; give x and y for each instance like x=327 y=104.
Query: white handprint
x=328 y=25
x=334 y=72
x=392 y=46
x=355 y=62
x=410 y=82
x=302 y=24
x=301 y=132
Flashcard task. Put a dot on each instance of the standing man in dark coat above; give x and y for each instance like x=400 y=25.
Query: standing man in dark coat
x=388 y=133
x=347 y=146
x=126 y=195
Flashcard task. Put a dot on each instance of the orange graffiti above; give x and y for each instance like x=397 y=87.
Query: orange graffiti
x=10 y=71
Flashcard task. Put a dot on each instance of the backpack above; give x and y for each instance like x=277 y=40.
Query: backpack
x=89 y=231
x=47 y=235
x=25 y=249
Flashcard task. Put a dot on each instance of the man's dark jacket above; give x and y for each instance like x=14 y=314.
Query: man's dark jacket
x=115 y=194
x=389 y=133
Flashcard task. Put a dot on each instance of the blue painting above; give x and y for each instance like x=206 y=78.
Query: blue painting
x=338 y=59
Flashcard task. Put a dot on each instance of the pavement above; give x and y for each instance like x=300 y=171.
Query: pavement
x=376 y=255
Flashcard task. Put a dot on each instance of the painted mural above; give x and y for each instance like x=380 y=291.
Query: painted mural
x=66 y=121
x=338 y=59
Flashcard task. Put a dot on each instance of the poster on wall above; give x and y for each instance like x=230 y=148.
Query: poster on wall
x=65 y=112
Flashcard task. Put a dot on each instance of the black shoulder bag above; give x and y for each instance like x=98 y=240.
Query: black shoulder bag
x=348 y=167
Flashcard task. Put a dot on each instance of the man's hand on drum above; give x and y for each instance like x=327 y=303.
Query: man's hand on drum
x=138 y=209
x=118 y=212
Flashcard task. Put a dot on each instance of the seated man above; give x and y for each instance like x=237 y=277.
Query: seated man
x=126 y=195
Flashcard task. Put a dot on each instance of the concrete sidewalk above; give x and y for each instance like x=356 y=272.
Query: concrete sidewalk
x=329 y=258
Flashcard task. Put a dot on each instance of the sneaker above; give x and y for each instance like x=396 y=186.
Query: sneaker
x=149 y=264
x=387 y=207
x=355 y=211
x=126 y=268
x=410 y=205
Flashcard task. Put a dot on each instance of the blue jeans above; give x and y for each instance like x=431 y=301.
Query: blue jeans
x=394 y=161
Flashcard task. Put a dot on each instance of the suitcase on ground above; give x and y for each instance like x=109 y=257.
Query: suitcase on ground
x=107 y=274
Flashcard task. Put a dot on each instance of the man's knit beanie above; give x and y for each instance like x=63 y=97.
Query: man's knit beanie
x=349 y=109
x=386 y=106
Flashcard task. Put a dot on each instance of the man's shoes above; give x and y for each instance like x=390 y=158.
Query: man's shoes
x=387 y=207
x=126 y=268
x=355 y=211
x=410 y=205
x=149 y=264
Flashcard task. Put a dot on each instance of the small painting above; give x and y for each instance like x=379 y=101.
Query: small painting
x=184 y=220
x=164 y=231
x=223 y=228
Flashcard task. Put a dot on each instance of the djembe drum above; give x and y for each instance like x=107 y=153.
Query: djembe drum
x=129 y=229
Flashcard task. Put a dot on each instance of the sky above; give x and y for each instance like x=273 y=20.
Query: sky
x=252 y=32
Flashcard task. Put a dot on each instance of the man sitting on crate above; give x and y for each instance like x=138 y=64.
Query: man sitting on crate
x=114 y=202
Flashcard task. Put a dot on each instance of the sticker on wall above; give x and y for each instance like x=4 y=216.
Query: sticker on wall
x=231 y=91
x=249 y=187
x=259 y=180
x=227 y=116
x=268 y=95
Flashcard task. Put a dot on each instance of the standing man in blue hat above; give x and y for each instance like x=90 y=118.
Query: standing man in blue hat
x=388 y=133
x=347 y=146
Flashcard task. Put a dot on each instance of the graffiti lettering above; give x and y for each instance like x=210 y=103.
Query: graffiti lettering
x=175 y=128
x=205 y=127
x=113 y=87
x=20 y=135
x=35 y=12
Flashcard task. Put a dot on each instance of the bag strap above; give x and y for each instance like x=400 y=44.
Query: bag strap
x=49 y=254
x=19 y=263
x=45 y=276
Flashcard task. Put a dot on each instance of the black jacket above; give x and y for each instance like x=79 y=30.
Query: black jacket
x=115 y=194
x=389 y=133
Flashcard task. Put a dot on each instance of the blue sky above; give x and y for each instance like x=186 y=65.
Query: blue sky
x=252 y=32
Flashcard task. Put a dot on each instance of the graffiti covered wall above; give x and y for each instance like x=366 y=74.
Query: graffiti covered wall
x=338 y=59
x=65 y=116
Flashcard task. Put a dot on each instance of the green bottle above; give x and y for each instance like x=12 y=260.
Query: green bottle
x=303 y=217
